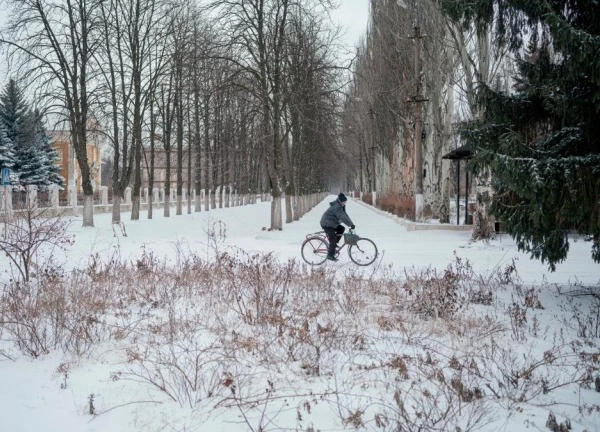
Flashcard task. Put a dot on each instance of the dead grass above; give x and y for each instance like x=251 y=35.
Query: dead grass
x=400 y=206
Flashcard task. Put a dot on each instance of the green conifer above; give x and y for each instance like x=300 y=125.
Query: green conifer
x=541 y=141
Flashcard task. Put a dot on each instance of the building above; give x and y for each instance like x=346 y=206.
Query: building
x=69 y=168
x=160 y=168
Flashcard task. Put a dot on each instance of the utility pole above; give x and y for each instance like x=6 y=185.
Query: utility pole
x=418 y=99
x=373 y=147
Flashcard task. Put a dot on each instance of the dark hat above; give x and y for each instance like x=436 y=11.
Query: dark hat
x=342 y=197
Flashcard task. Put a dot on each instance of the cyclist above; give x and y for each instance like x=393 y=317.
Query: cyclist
x=331 y=223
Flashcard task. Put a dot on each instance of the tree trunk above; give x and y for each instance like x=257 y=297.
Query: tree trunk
x=444 y=210
x=206 y=152
x=484 y=223
x=116 y=208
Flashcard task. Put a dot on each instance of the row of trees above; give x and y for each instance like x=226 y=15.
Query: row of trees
x=380 y=111
x=25 y=147
x=248 y=88
x=514 y=80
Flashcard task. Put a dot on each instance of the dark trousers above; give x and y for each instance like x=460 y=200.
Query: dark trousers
x=333 y=235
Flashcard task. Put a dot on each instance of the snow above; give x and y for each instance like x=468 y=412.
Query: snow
x=31 y=397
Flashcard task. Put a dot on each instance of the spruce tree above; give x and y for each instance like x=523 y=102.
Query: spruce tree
x=15 y=115
x=18 y=121
x=32 y=167
x=50 y=170
x=7 y=155
x=541 y=141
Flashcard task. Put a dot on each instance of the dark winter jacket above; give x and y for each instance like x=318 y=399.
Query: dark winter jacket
x=335 y=215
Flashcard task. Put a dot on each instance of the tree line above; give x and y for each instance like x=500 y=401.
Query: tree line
x=247 y=90
x=251 y=88
x=516 y=82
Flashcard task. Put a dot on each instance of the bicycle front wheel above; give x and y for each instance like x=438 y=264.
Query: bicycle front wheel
x=364 y=252
x=314 y=250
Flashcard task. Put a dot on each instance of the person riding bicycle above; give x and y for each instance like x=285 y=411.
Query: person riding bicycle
x=331 y=223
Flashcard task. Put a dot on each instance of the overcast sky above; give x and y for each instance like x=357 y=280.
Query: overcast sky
x=352 y=16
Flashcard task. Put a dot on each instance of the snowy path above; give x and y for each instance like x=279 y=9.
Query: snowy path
x=399 y=247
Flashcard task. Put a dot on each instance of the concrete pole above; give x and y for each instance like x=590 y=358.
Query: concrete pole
x=128 y=195
x=32 y=201
x=54 y=199
x=104 y=197
x=7 y=203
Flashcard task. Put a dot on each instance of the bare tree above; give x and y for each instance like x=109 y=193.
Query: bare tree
x=310 y=108
x=116 y=90
x=166 y=107
x=380 y=118
x=179 y=110
x=257 y=30
x=480 y=62
x=131 y=59
x=146 y=35
x=53 y=43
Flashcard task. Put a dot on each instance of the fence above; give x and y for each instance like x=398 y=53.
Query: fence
x=58 y=202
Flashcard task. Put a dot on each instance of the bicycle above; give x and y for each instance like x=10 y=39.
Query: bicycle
x=361 y=250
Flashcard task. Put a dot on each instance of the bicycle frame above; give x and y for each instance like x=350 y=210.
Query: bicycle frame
x=362 y=251
x=323 y=235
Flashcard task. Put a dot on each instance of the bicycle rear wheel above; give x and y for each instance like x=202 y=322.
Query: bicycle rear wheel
x=314 y=250
x=364 y=252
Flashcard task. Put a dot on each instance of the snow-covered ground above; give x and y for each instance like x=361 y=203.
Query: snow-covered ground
x=245 y=229
x=38 y=395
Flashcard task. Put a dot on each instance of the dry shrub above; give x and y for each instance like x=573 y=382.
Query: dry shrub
x=220 y=332
x=434 y=295
x=256 y=286
x=400 y=206
x=439 y=403
x=28 y=232
x=583 y=306
x=54 y=311
x=288 y=304
x=516 y=378
x=187 y=371
x=518 y=321
x=531 y=299
x=33 y=328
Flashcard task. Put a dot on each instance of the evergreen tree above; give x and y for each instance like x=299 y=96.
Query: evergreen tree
x=18 y=121
x=7 y=155
x=541 y=141
x=15 y=115
x=33 y=157
x=50 y=170
x=32 y=167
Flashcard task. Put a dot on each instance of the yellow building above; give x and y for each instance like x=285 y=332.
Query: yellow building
x=69 y=168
